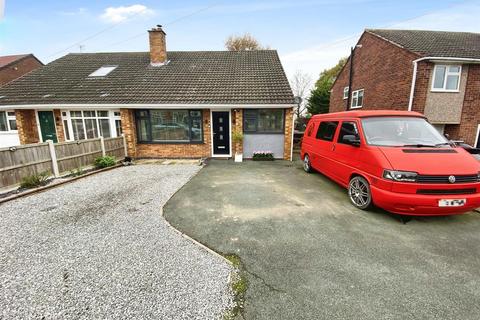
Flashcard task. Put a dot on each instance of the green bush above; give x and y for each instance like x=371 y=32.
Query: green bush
x=106 y=161
x=35 y=180
x=263 y=156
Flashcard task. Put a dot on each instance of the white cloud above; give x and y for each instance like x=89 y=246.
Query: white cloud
x=119 y=14
x=315 y=59
x=463 y=17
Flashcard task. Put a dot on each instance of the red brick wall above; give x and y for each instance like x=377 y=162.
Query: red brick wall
x=424 y=71
x=467 y=129
x=27 y=126
x=59 y=125
x=237 y=126
x=383 y=70
x=287 y=149
x=18 y=69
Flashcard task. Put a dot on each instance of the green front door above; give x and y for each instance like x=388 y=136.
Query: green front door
x=47 y=126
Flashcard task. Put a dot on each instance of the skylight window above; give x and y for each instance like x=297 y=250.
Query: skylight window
x=102 y=71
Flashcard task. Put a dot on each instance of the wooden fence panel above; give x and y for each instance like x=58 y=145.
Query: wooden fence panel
x=71 y=155
x=26 y=160
x=22 y=161
x=114 y=147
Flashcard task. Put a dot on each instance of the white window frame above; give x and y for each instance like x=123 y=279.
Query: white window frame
x=111 y=120
x=355 y=95
x=447 y=73
x=346 y=91
x=8 y=118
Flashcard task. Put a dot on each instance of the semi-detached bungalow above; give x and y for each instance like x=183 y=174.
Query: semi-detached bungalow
x=178 y=104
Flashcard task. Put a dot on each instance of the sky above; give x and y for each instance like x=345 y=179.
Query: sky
x=309 y=35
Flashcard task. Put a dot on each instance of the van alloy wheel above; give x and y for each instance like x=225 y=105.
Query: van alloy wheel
x=359 y=193
x=306 y=164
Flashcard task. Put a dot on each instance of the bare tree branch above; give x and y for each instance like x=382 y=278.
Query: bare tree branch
x=243 y=42
x=300 y=83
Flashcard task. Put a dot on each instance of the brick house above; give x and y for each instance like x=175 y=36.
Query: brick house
x=433 y=72
x=181 y=104
x=11 y=68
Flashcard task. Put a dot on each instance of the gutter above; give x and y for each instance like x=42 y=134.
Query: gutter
x=143 y=106
x=415 y=67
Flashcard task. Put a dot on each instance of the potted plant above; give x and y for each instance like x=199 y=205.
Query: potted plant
x=237 y=138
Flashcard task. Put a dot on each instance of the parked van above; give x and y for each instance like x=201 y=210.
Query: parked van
x=395 y=160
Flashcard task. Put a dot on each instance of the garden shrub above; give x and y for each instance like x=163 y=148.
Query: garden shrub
x=35 y=180
x=263 y=156
x=105 y=161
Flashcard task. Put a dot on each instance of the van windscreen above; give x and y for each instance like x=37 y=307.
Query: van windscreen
x=401 y=132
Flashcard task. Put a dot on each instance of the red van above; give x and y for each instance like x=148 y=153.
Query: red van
x=395 y=160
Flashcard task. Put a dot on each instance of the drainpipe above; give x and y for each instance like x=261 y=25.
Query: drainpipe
x=412 y=88
x=415 y=67
x=350 y=77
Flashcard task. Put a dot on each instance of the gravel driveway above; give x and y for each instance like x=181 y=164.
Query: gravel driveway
x=98 y=248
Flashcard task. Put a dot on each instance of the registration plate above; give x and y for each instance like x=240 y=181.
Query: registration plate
x=451 y=202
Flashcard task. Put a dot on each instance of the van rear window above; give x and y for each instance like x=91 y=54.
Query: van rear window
x=326 y=130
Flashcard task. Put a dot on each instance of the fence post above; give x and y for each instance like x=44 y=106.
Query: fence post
x=125 y=145
x=53 y=156
x=102 y=145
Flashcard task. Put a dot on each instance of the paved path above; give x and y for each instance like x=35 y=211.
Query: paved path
x=98 y=248
x=310 y=255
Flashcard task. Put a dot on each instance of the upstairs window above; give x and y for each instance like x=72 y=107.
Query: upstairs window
x=446 y=78
x=357 y=99
x=345 y=93
x=102 y=71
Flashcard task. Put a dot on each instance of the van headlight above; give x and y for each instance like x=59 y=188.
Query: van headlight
x=402 y=176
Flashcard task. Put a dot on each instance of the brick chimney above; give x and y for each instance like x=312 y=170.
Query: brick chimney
x=158 y=48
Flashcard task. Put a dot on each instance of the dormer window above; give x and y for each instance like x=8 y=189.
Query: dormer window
x=102 y=71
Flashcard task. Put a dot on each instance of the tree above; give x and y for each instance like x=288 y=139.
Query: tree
x=300 y=83
x=319 y=99
x=243 y=42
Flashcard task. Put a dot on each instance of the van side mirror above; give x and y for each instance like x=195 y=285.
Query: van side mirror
x=447 y=136
x=351 y=139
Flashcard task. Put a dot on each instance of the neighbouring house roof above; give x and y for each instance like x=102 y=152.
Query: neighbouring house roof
x=190 y=77
x=434 y=43
x=8 y=60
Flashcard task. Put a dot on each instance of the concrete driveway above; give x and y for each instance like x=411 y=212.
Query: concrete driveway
x=310 y=255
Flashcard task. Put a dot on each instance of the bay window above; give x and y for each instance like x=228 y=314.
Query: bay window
x=263 y=120
x=164 y=126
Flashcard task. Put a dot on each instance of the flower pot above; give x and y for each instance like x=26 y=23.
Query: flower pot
x=238 y=157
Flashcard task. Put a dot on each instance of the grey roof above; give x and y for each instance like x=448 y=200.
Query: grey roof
x=434 y=43
x=191 y=77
